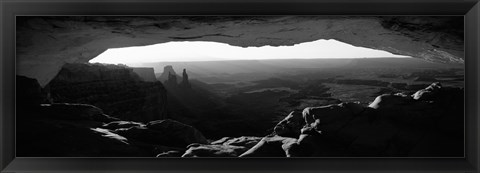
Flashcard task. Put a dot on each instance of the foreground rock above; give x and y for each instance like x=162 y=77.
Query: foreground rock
x=78 y=134
x=67 y=138
x=331 y=118
x=291 y=125
x=428 y=123
x=122 y=124
x=82 y=130
x=270 y=146
x=246 y=141
x=199 y=150
x=225 y=147
x=164 y=132
x=67 y=111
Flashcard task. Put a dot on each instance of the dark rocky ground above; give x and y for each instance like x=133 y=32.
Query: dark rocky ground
x=428 y=123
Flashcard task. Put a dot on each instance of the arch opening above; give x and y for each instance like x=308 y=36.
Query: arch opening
x=184 y=92
x=191 y=51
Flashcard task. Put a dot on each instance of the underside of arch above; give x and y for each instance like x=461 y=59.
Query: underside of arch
x=44 y=44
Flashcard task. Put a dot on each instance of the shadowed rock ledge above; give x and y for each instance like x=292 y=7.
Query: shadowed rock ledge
x=428 y=123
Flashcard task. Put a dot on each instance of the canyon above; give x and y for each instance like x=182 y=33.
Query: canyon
x=356 y=108
x=102 y=110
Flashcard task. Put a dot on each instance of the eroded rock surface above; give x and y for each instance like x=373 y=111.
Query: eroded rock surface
x=270 y=146
x=291 y=125
x=426 y=124
x=429 y=124
x=199 y=150
x=82 y=130
x=225 y=147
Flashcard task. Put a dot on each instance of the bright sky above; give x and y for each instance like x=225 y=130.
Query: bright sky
x=214 y=51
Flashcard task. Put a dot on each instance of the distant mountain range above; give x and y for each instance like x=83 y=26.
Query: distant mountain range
x=208 y=69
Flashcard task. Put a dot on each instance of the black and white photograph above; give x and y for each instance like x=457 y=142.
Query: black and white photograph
x=246 y=86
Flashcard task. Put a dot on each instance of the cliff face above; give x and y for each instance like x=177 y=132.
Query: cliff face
x=117 y=90
x=167 y=71
x=147 y=74
x=172 y=78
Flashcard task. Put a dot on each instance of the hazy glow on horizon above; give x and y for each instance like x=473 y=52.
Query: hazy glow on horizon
x=213 y=51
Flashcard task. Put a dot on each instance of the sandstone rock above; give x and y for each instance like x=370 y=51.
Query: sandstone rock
x=271 y=146
x=164 y=132
x=122 y=124
x=393 y=125
x=405 y=109
x=86 y=72
x=147 y=74
x=221 y=141
x=171 y=81
x=308 y=144
x=165 y=74
x=386 y=101
x=427 y=93
x=108 y=134
x=67 y=111
x=46 y=43
x=170 y=154
x=66 y=138
x=332 y=117
x=165 y=151
x=291 y=125
x=244 y=141
x=116 y=89
x=200 y=150
x=190 y=134
x=185 y=83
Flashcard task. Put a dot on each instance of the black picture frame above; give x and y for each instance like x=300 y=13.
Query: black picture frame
x=9 y=9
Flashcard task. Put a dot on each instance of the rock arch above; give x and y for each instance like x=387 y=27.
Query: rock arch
x=44 y=44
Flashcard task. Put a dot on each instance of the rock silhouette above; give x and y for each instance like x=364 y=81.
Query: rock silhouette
x=167 y=71
x=170 y=78
x=425 y=124
x=75 y=130
x=171 y=81
x=88 y=36
x=117 y=90
x=392 y=125
x=146 y=74
x=185 y=83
